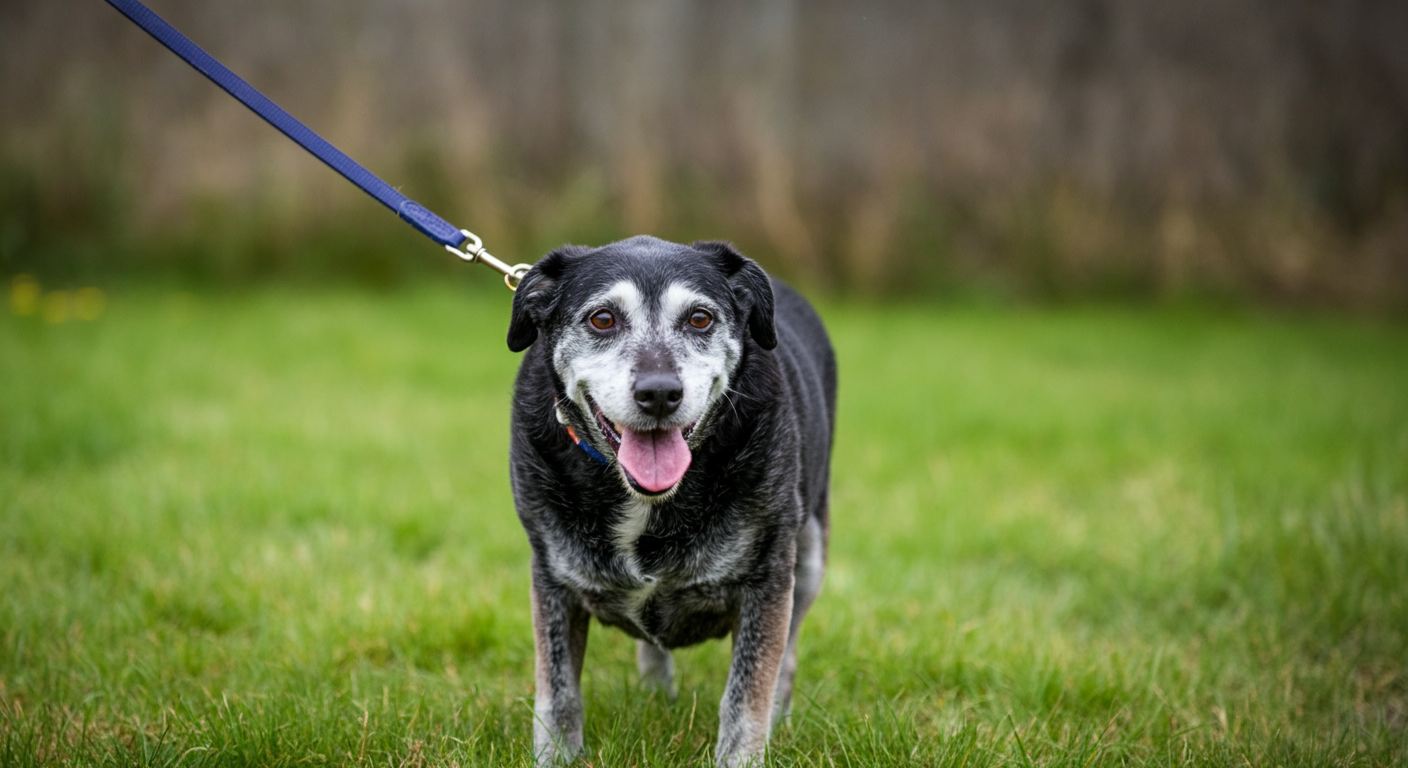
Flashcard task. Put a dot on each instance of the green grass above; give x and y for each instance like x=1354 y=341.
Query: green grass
x=275 y=528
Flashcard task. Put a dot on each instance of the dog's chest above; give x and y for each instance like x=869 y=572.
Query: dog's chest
x=659 y=583
x=656 y=553
x=633 y=518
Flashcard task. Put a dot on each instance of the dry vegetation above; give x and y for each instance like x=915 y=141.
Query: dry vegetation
x=1246 y=148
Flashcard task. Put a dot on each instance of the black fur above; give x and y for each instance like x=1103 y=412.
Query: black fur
x=759 y=472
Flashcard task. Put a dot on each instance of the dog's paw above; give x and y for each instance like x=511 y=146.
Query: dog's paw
x=742 y=760
x=555 y=754
x=555 y=745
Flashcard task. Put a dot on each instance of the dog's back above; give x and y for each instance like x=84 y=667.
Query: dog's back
x=809 y=364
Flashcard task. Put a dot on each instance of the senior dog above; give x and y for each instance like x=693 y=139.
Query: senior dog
x=671 y=447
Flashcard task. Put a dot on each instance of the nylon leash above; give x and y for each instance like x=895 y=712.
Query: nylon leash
x=413 y=213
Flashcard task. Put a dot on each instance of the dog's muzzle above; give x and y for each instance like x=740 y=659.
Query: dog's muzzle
x=654 y=460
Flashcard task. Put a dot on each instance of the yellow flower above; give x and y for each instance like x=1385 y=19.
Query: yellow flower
x=24 y=295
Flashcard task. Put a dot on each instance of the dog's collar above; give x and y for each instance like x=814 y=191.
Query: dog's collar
x=592 y=452
x=572 y=433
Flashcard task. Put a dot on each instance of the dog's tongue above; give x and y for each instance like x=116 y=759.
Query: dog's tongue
x=656 y=460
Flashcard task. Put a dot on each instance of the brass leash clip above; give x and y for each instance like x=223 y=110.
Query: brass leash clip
x=474 y=252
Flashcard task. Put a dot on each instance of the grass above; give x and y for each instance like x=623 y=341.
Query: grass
x=274 y=527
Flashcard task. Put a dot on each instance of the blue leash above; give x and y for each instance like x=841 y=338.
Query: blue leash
x=413 y=213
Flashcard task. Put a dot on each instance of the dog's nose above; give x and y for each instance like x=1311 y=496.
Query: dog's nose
x=659 y=394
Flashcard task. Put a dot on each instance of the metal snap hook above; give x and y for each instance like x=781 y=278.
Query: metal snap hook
x=474 y=252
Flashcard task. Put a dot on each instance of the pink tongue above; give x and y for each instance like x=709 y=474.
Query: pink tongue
x=656 y=460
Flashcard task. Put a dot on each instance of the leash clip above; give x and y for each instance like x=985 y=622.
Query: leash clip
x=474 y=252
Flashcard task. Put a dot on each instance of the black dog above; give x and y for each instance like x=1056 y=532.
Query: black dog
x=671 y=448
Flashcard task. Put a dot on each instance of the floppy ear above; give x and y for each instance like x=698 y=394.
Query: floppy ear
x=752 y=289
x=535 y=297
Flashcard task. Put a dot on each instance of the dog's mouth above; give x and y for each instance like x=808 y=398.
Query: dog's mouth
x=654 y=460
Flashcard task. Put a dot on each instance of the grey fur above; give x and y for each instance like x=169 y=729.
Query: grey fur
x=738 y=545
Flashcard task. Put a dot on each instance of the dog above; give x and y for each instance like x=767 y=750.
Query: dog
x=670 y=461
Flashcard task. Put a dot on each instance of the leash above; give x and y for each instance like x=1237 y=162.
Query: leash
x=415 y=214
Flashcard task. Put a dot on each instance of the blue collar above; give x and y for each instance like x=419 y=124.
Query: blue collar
x=572 y=433
x=592 y=452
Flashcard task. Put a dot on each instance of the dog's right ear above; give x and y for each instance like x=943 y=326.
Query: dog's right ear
x=536 y=295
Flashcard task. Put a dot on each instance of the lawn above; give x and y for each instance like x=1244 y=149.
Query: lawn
x=274 y=527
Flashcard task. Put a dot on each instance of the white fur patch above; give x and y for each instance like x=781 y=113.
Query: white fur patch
x=604 y=367
x=635 y=517
x=586 y=368
x=679 y=300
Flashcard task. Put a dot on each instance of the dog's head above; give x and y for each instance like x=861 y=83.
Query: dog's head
x=645 y=336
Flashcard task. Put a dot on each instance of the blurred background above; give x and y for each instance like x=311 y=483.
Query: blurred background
x=1242 y=150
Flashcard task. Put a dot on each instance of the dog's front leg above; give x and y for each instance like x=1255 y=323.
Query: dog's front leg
x=560 y=625
x=745 y=714
x=657 y=668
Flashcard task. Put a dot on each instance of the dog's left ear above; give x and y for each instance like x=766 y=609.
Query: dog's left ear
x=752 y=289
x=536 y=295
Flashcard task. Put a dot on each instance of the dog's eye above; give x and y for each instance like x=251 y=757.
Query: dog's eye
x=701 y=319
x=603 y=320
